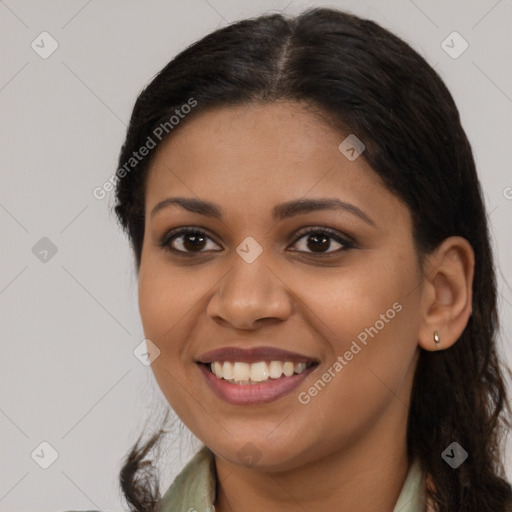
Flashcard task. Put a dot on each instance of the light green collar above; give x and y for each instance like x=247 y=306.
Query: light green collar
x=194 y=489
x=412 y=497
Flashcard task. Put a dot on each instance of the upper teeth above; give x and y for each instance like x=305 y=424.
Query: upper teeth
x=255 y=372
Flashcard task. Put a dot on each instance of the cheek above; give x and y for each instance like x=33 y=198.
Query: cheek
x=172 y=302
x=167 y=314
x=166 y=296
x=350 y=301
x=370 y=319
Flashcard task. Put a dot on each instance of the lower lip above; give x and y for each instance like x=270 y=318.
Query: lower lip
x=249 y=394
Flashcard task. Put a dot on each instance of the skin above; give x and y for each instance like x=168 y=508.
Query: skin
x=345 y=449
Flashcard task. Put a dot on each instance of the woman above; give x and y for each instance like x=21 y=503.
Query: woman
x=315 y=276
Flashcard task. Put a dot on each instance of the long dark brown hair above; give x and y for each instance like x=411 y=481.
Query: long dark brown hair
x=367 y=81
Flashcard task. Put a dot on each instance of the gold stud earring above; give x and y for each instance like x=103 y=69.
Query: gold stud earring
x=437 y=339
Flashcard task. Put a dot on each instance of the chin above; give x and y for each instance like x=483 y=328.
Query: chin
x=273 y=457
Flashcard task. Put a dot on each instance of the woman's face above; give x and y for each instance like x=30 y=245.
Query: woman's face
x=338 y=287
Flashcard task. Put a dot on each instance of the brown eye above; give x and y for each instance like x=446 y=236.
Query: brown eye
x=321 y=241
x=186 y=240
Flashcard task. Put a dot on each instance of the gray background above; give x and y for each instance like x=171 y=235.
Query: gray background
x=69 y=324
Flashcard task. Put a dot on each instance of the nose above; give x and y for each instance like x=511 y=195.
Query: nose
x=249 y=295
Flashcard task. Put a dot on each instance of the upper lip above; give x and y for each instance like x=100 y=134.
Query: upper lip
x=253 y=355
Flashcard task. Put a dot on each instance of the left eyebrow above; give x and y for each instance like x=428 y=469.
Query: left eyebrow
x=279 y=212
x=299 y=206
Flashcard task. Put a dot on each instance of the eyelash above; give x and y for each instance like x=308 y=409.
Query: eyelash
x=178 y=232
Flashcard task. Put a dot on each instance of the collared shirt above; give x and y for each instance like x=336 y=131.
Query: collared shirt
x=193 y=490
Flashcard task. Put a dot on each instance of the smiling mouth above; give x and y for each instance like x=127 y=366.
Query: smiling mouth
x=242 y=373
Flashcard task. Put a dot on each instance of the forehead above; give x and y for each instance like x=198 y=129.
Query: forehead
x=260 y=154
x=286 y=131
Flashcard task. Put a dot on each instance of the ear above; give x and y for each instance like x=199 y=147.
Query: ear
x=447 y=293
